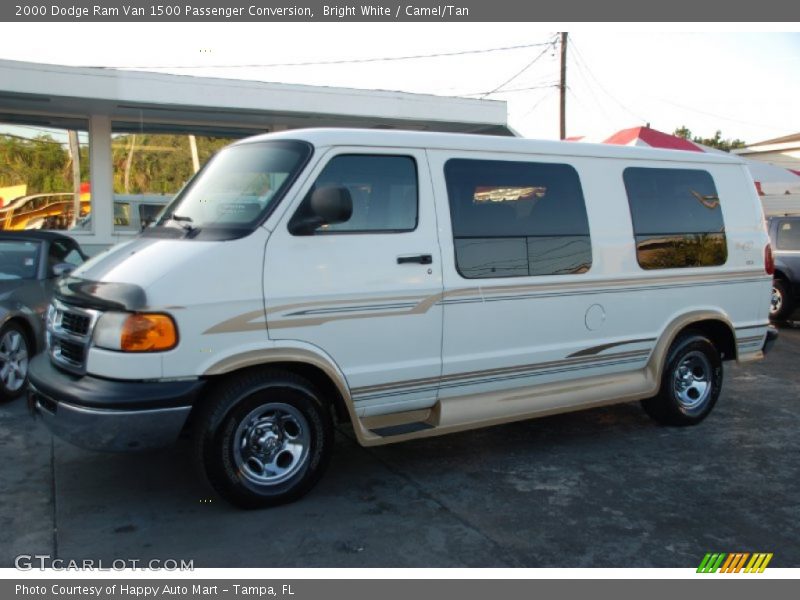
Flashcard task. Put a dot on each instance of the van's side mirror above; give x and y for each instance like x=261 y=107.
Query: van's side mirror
x=63 y=268
x=328 y=205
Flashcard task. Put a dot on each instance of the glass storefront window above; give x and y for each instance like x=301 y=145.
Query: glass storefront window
x=44 y=172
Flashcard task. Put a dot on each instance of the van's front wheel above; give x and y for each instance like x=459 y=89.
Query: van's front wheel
x=690 y=384
x=265 y=438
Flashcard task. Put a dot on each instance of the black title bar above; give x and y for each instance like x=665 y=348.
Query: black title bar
x=405 y=10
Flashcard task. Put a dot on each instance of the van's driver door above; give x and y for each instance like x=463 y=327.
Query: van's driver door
x=365 y=291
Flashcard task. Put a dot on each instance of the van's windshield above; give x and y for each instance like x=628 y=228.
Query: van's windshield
x=232 y=194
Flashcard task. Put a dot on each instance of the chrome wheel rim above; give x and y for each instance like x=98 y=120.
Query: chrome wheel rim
x=271 y=443
x=692 y=381
x=776 y=302
x=13 y=360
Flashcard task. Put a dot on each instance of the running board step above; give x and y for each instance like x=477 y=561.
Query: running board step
x=401 y=429
x=403 y=423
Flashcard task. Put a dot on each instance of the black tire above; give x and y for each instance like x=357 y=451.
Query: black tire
x=690 y=384
x=15 y=354
x=782 y=303
x=290 y=432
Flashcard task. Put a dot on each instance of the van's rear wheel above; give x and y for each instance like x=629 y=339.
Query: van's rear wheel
x=264 y=438
x=690 y=384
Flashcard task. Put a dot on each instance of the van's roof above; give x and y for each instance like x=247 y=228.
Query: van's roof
x=486 y=143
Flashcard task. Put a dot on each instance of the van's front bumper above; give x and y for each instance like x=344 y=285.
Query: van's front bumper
x=104 y=414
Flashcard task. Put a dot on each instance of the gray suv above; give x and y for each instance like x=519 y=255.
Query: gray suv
x=784 y=235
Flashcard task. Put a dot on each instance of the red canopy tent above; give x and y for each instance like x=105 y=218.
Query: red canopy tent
x=770 y=180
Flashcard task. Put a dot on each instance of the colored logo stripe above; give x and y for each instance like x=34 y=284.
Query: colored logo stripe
x=734 y=563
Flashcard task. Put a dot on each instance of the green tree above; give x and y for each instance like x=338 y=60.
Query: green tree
x=714 y=142
x=159 y=163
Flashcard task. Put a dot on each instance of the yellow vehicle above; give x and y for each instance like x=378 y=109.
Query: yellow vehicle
x=42 y=211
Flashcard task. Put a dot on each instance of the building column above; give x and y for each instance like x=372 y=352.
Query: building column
x=101 y=172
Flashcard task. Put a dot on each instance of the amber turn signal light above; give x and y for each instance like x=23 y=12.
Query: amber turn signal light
x=148 y=332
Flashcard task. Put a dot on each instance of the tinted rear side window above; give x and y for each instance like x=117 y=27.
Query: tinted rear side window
x=677 y=219
x=789 y=235
x=514 y=219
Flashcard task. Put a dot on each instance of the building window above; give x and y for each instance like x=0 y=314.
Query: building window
x=517 y=219
x=152 y=162
x=677 y=219
x=383 y=190
x=44 y=172
x=788 y=235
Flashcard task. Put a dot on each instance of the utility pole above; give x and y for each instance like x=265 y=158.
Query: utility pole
x=563 y=85
x=126 y=181
x=195 y=157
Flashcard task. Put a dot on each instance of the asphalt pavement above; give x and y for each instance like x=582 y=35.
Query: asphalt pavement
x=600 y=488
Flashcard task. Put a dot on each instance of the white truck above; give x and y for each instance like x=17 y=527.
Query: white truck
x=412 y=284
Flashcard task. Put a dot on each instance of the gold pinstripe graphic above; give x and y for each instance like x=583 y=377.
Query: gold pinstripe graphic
x=466 y=375
x=256 y=320
x=598 y=349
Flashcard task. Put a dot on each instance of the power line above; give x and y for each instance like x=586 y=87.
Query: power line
x=332 y=62
x=579 y=55
x=536 y=105
x=513 y=90
x=525 y=68
x=710 y=114
x=30 y=139
x=585 y=78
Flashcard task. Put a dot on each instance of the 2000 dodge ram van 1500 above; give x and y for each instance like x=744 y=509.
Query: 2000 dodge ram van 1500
x=413 y=284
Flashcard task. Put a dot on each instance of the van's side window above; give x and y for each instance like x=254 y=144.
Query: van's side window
x=789 y=235
x=677 y=220
x=515 y=219
x=383 y=189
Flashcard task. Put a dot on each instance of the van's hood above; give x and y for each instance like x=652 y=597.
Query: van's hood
x=158 y=272
x=142 y=261
x=120 y=277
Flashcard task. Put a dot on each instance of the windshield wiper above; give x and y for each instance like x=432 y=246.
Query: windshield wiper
x=176 y=217
x=183 y=221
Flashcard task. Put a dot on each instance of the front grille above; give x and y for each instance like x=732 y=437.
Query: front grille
x=71 y=351
x=69 y=335
x=75 y=323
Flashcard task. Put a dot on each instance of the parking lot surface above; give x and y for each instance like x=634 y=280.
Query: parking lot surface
x=600 y=488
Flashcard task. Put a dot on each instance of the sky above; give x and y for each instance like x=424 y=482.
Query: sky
x=744 y=83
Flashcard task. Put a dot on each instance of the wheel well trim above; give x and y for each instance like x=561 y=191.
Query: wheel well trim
x=24 y=321
x=656 y=363
x=299 y=356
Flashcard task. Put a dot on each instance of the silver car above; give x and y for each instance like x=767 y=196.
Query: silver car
x=30 y=262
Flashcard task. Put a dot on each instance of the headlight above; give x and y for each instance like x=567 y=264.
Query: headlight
x=136 y=332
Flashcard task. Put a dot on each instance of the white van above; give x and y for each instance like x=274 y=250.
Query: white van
x=411 y=283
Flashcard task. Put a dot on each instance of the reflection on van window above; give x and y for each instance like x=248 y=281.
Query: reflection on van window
x=788 y=235
x=507 y=194
x=383 y=189
x=515 y=219
x=677 y=218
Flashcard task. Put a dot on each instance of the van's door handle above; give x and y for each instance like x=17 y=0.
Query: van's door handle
x=422 y=259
